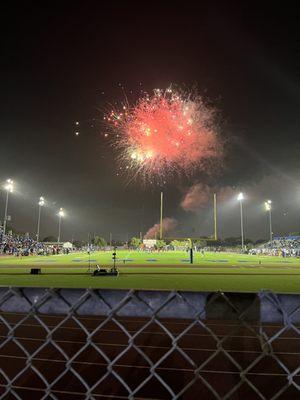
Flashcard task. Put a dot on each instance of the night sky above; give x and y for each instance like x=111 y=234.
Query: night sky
x=65 y=63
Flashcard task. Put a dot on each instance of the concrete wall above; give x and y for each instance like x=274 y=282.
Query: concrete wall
x=264 y=306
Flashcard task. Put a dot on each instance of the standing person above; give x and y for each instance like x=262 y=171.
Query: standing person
x=191 y=255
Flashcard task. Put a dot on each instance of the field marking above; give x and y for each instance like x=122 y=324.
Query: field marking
x=207 y=273
x=153 y=273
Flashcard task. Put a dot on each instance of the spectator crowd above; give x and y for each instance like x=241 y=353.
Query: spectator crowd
x=24 y=245
x=288 y=246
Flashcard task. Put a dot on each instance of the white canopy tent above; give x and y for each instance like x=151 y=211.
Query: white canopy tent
x=67 y=245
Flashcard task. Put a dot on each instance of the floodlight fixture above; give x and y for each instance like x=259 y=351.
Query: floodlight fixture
x=9 y=185
x=41 y=201
x=240 y=197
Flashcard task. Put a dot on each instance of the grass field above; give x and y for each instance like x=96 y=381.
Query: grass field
x=157 y=271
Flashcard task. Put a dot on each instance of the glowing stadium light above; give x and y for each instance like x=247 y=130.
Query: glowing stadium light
x=41 y=201
x=240 y=197
x=60 y=214
x=41 y=204
x=9 y=187
x=268 y=208
x=268 y=205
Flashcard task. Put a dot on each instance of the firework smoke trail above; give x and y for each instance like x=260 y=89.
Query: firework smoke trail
x=196 y=197
x=168 y=224
x=200 y=195
x=165 y=133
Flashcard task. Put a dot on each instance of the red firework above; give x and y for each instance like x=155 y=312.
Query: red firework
x=166 y=132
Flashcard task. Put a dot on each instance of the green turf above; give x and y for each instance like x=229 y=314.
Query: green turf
x=214 y=271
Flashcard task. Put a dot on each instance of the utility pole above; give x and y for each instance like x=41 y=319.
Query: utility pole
x=215 y=217
x=161 y=215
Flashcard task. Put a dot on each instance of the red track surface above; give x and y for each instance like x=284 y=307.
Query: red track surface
x=242 y=346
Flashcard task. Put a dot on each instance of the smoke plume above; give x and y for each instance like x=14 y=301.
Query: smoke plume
x=168 y=224
x=197 y=196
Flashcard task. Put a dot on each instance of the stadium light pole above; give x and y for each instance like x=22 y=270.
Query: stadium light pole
x=240 y=199
x=9 y=187
x=60 y=215
x=41 y=204
x=268 y=207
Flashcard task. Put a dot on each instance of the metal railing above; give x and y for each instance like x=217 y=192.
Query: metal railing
x=95 y=344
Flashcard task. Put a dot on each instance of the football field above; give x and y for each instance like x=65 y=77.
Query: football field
x=156 y=271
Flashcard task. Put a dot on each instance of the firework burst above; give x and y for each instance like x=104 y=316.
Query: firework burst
x=167 y=132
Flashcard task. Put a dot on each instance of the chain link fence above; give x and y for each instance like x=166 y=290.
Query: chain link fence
x=95 y=344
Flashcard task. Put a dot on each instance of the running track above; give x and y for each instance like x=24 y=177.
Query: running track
x=243 y=345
